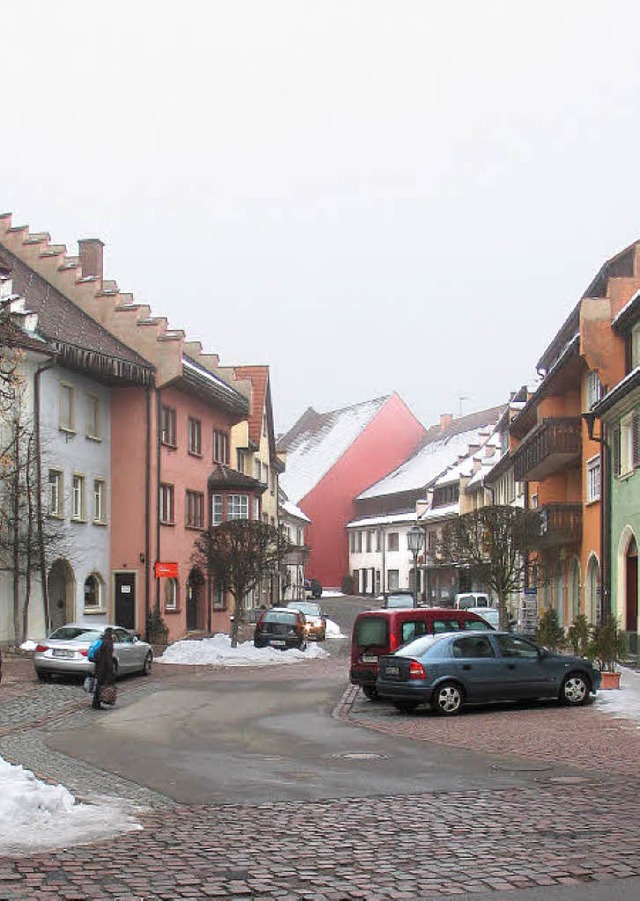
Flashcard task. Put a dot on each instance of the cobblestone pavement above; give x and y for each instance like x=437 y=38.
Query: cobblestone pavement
x=573 y=831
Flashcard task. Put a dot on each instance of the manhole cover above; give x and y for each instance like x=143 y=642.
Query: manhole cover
x=360 y=755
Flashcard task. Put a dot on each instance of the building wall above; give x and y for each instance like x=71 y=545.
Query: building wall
x=383 y=445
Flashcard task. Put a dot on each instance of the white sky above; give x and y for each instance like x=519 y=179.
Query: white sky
x=366 y=195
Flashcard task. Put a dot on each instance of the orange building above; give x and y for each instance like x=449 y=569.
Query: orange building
x=554 y=453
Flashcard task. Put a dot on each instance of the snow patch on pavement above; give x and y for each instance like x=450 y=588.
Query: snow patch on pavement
x=35 y=816
x=217 y=651
x=623 y=702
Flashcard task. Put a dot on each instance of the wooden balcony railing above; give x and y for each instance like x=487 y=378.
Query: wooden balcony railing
x=549 y=447
x=560 y=524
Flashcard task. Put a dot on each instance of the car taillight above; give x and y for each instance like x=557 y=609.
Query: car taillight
x=393 y=642
x=416 y=670
x=84 y=652
x=41 y=647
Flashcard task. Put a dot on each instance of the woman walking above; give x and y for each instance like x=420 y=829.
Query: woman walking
x=104 y=670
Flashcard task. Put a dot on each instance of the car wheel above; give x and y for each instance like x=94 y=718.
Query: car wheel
x=405 y=706
x=575 y=690
x=447 y=699
x=371 y=692
x=146 y=666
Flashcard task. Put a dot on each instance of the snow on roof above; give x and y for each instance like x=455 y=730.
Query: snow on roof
x=292 y=510
x=386 y=520
x=440 y=512
x=318 y=441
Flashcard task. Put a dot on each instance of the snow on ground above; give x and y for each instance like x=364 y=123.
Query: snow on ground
x=28 y=646
x=625 y=701
x=217 y=651
x=35 y=816
x=333 y=630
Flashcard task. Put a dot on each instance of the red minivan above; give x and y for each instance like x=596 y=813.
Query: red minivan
x=377 y=632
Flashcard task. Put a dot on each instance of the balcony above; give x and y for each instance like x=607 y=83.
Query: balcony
x=560 y=524
x=548 y=448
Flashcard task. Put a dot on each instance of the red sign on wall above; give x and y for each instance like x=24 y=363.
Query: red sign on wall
x=166 y=570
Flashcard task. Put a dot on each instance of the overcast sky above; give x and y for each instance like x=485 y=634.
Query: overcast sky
x=368 y=196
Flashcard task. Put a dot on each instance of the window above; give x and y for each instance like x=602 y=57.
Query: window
x=256 y=509
x=195 y=437
x=93 y=592
x=369 y=541
x=77 y=498
x=238 y=506
x=170 y=594
x=626 y=445
x=240 y=461
x=635 y=346
x=220 y=447
x=446 y=494
x=593 y=479
x=594 y=389
x=431 y=541
x=66 y=418
x=472 y=647
x=257 y=470
x=218 y=598
x=265 y=474
x=299 y=537
x=358 y=542
x=393 y=579
x=168 y=426
x=393 y=542
x=195 y=510
x=166 y=504
x=510 y=646
x=56 y=493
x=216 y=509
x=93 y=423
x=378 y=540
x=635 y=440
x=99 y=500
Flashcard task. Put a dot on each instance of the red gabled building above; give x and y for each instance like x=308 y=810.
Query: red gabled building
x=330 y=459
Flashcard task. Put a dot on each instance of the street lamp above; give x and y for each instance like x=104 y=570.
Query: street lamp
x=415 y=540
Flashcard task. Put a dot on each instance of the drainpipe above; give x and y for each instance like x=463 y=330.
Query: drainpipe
x=157 y=499
x=147 y=517
x=36 y=421
x=605 y=513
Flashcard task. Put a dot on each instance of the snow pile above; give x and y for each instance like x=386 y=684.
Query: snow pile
x=28 y=646
x=35 y=816
x=333 y=630
x=624 y=702
x=217 y=651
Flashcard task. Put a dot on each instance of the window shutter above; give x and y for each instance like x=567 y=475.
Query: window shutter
x=635 y=440
x=617 y=468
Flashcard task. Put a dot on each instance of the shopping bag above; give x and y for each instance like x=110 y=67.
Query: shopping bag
x=108 y=694
x=89 y=684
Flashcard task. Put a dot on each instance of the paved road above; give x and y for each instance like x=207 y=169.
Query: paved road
x=245 y=798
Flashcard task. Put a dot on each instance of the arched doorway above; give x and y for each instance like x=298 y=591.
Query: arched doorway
x=592 y=598
x=631 y=587
x=61 y=589
x=573 y=587
x=195 y=584
x=558 y=584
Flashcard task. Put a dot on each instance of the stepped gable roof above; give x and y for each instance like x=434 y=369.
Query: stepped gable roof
x=440 y=449
x=61 y=321
x=259 y=378
x=224 y=476
x=318 y=440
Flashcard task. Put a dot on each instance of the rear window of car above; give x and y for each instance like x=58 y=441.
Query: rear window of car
x=280 y=616
x=419 y=646
x=477 y=625
x=68 y=633
x=309 y=609
x=371 y=631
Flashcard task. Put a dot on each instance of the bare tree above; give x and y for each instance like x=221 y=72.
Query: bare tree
x=498 y=545
x=237 y=555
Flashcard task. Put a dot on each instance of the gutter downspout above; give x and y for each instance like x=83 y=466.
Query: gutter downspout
x=605 y=513
x=147 y=516
x=157 y=501
x=36 y=419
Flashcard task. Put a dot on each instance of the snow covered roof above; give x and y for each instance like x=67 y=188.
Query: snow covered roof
x=439 y=449
x=387 y=520
x=434 y=513
x=318 y=440
x=292 y=510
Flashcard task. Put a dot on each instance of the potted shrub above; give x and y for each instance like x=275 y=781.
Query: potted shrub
x=549 y=632
x=578 y=636
x=606 y=648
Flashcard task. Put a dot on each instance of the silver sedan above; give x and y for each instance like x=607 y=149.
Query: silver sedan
x=65 y=651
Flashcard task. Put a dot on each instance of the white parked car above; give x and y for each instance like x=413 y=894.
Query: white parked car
x=490 y=615
x=65 y=651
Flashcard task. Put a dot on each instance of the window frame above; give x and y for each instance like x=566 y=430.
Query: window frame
x=194 y=509
x=68 y=391
x=217 y=510
x=194 y=433
x=100 y=501
x=99 y=606
x=220 y=447
x=232 y=499
x=168 y=426
x=593 y=492
x=78 y=479
x=58 y=512
x=166 y=504
x=94 y=417
x=171 y=605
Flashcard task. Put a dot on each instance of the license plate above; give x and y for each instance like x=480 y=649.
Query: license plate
x=392 y=671
x=278 y=644
x=369 y=658
x=60 y=653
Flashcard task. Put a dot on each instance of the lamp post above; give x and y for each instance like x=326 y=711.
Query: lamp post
x=415 y=540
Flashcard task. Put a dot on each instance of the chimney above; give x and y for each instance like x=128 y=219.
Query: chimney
x=91 y=257
x=445 y=421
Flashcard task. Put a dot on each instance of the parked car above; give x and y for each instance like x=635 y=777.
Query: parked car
x=315 y=620
x=490 y=614
x=313 y=588
x=377 y=632
x=65 y=651
x=468 y=599
x=398 y=599
x=451 y=670
x=280 y=628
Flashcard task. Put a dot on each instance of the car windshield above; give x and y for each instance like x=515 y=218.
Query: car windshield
x=279 y=616
x=308 y=609
x=418 y=647
x=71 y=633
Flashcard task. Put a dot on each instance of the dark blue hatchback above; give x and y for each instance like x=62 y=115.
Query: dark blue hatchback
x=450 y=670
